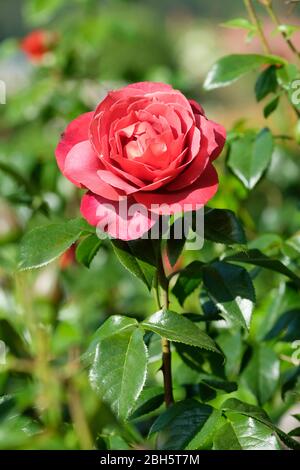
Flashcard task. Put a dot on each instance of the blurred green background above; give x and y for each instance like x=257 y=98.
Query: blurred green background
x=51 y=314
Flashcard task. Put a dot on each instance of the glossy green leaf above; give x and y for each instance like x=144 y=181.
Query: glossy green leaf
x=87 y=249
x=176 y=327
x=257 y=258
x=233 y=404
x=119 y=370
x=188 y=280
x=244 y=433
x=44 y=244
x=230 y=68
x=250 y=156
x=179 y=424
x=262 y=373
x=222 y=226
x=114 y=324
x=138 y=256
x=232 y=290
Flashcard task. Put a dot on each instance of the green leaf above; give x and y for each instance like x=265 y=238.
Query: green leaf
x=114 y=324
x=262 y=373
x=230 y=68
x=256 y=258
x=138 y=256
x=288 y=29
x=203 y=440
x=271 y=106
x=87 y=249
x=232 y=290
x=233 y=404
x=217 y=383
x=176 y=327
x=40 y=11
x=175 y=245
x=266 y=83
x=180 y=423
x=295 y=432
x=290 y=379
x=149 y=400
x=231 y=344
x=250 y=156
x=119 y=370
x=12 y=339
x=244 y=433
x=44 y=244
x=115 y=442
x=239 y=23
x=222 y=226
x=287 y=327
x=188 y=280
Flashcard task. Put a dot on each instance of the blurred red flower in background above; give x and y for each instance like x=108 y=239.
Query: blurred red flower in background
x=38 y=43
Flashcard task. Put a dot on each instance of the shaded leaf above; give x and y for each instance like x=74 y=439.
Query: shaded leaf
x=271 y=106
x=138 y=257
x=256 y=258
x=262 y=373
x=149 y=400
x=266 y=83
x=232 y=290
x=87 y=249
x=222 y=226
x=188 y=280
x=180 y=423
x=287 y=326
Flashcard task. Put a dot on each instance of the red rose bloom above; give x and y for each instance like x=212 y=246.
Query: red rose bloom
x=146 y=145
x=37 y=43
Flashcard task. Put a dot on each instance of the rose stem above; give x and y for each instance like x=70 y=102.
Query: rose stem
x=277 y=22
x=162 y=281
x=255 y=20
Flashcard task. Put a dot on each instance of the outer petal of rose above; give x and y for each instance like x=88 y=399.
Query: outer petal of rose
x=76 y=132
x=81 y=166
x=150 y=87
x=193 y=197
x=196 y=107
x=125 y=223
x=220 y=136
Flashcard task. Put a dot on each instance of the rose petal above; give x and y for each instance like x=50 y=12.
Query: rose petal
x=124 y=220
x=194 y=196
x=82 y=165
x=76 y=131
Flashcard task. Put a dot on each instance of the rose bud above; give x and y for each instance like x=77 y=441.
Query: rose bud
x=37 y=44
